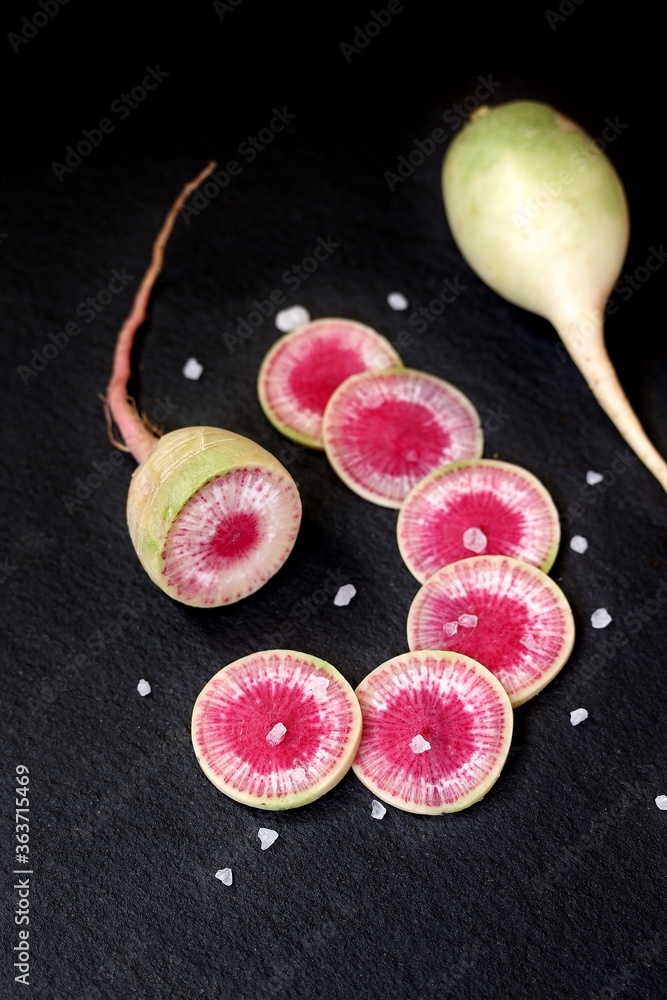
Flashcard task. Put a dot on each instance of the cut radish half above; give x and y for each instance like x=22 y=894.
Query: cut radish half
x=474 y=507
x=212 y=515
x=384 y=431
x=437 y=731
x=302 y=370
x=276 y=729
x=504 y=613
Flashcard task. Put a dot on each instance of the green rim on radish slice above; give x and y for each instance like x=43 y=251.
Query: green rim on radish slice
x=474 y=507
x=539 y=212
x=384 y=431
x=437 y=731
x=211 y=514
x=504 y=613
x=276 y=729
x=303 y=368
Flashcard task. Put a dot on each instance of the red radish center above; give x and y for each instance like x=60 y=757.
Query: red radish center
x=235 y=537
x=401 y=432
x=320 y=370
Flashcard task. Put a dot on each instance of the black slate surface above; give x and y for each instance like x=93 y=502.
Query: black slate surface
x=553 y=886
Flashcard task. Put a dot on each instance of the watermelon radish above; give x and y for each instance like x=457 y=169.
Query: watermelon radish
x=437 y=731
x=384 y=431
x=504 y=613
x=302 y=369
x=276 y=729
x=474 y=507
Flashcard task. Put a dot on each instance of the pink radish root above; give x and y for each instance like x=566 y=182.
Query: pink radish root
x=139 y=435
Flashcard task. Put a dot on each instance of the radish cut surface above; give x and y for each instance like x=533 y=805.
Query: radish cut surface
x=384 y=431
x=504 y=613
x=276 y=729
x=302 y=370
x=473 y=508
x=437 y=731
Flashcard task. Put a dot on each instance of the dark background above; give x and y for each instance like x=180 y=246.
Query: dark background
x=553 y=886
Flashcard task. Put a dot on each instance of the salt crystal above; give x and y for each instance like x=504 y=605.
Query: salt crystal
x=289 y=319
x=578 y=544
x=661 y=801
x=530 y=643
x=344 y=595
x=397 y=301
x=298 y=775
x=600 y=618
x=418 y=744
x=377 y=810
x=143 y=687
x=468 y=621
x=277 y=734
x=318 y=685
x=593 y=477
x=450 y=628
x=474 y=540
x=579 y=715
x=225 y=875
x=267 y=837
x=192 y=369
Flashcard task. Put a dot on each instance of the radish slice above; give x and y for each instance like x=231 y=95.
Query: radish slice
x=384 y=431
x=302 y=370
x=504 y=613
x=473 y=508
x=437 y=731
x=276 y=729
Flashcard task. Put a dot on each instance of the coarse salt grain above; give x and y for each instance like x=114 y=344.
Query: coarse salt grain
x=345 y=595
x=377 y=810
x=225 y=875
x=661 y=801
x=474 y=540
x=277 y=734
x=143 y=687
x=289 y=319
x=418 y=744
x=397 y=301
x=592 y=478
x=468 y=621
x=192 y=369
x=578 y=715
x=600 y=618
x=578 y=544
x=267 y=837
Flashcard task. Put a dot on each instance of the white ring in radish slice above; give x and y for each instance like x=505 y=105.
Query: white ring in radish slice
x=303 y=368
x=508 y=615
x=384 y=431
x=476 y=507
x=276 y=729
x=437 y=731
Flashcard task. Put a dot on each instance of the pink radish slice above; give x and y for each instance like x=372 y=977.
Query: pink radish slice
x=474 y=507
x=384 y=431
x=303 y=368
x=437 y=731
x=504 y=613
x=276 y=729
x=231 y=536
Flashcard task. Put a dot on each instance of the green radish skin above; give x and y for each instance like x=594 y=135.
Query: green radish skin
x=539 y=212
x=179 y=465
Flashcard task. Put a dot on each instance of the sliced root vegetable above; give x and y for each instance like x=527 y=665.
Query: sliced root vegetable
x=504 y=613
x=212 y=515
x=473 y=508
x=276 y=729
x=384 y=431
x=437 y=731
x=302 y=370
